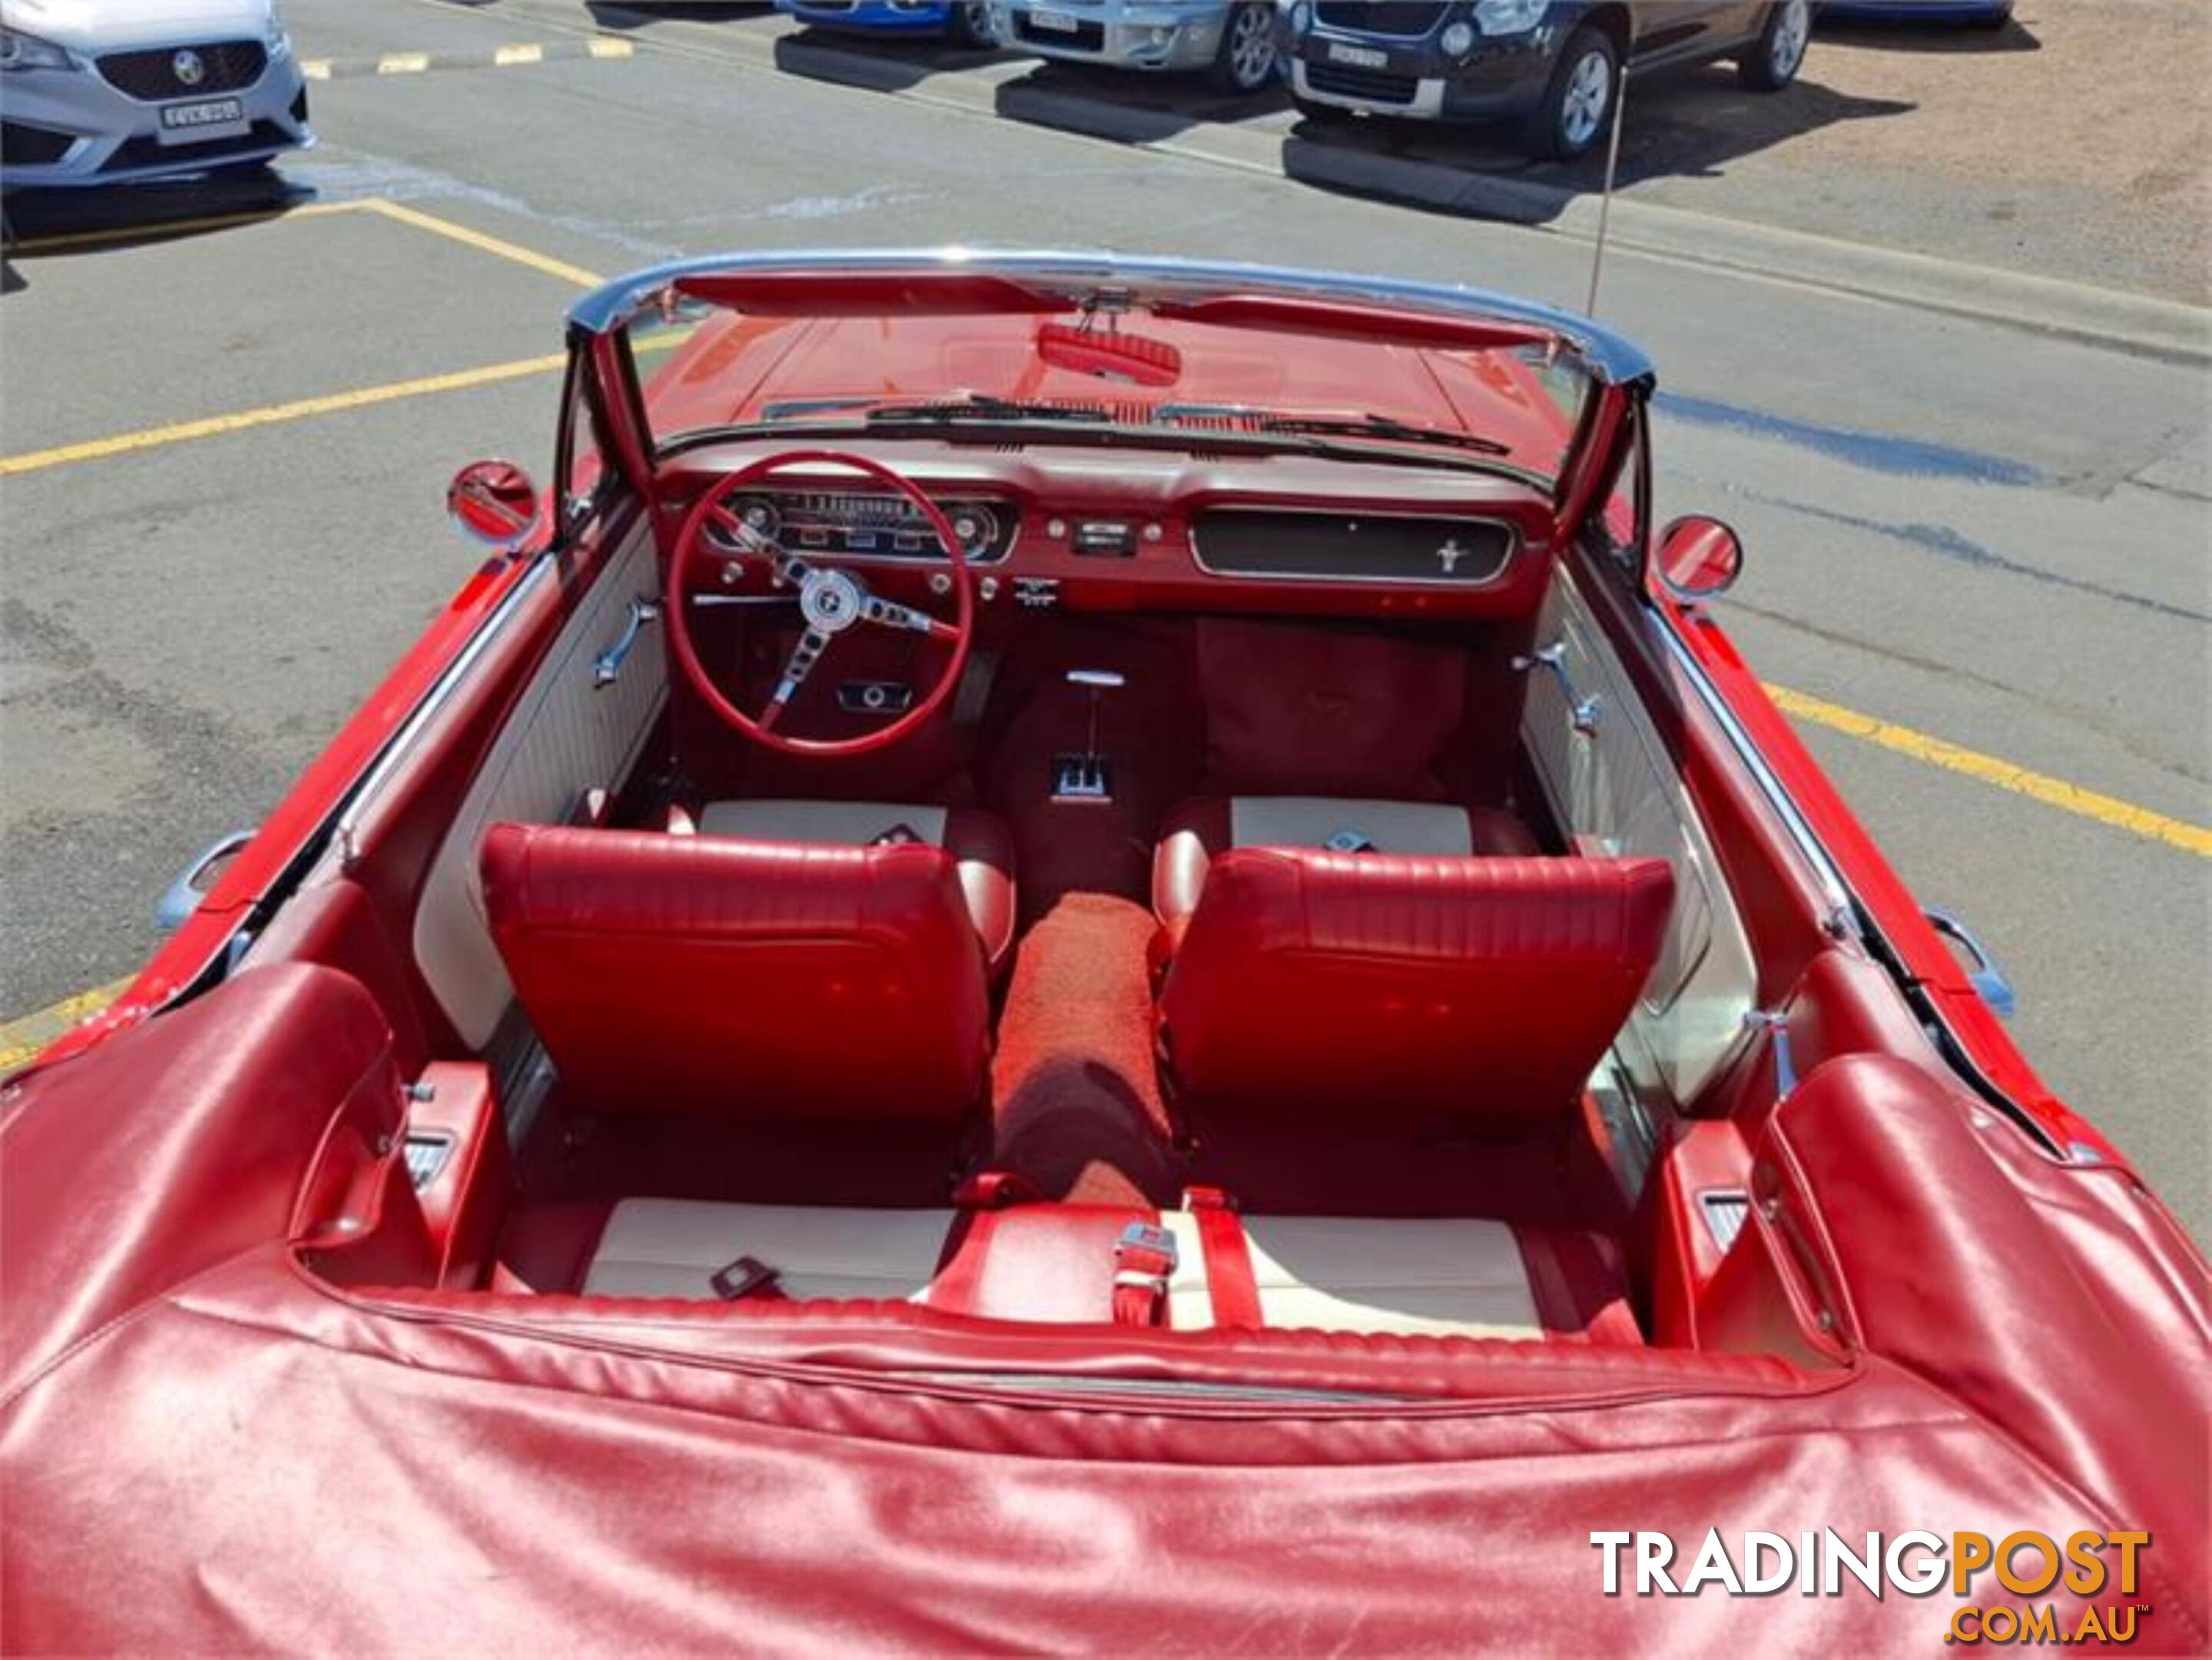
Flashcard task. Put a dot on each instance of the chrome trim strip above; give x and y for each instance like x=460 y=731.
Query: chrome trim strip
x=433 y=701
x=1843 y=908
x=1470 y=585
x=1612 y=357
x=1850 y=917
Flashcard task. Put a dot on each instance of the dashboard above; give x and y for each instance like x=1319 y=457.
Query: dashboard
x=1048 y=527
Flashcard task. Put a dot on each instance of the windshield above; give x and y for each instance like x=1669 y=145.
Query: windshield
x=1260 y=377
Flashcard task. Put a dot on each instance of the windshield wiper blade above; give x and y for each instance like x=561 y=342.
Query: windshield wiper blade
x=979 y=407
x=1380 y=426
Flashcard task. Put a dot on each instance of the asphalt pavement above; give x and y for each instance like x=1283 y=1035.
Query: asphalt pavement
x=223 y=451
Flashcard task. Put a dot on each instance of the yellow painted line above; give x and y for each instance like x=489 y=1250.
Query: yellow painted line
x=485 y=243
x=218 y=426
x=2001 y=774
x=402 y=63
x=507 y=54
x=600 y=46
x=338 y=403
x=315 y=69
x=155 y=230
x=22 y=1038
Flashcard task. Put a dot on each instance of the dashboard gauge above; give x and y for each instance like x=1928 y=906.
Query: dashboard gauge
x=866 y=525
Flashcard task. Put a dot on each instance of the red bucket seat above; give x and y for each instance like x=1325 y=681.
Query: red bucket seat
x=748 y=979
x=1371 y=988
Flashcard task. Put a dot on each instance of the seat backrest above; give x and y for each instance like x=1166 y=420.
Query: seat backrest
x=671 y=974
x=1372 y=988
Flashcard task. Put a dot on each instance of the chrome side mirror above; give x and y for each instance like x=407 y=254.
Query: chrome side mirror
x=1698 y=559
x=1983 y=973
x=495 y=502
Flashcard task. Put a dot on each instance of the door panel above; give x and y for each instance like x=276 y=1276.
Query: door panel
x=570 y=734
x=1617 y=793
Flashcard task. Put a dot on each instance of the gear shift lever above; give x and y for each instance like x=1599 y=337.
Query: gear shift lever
x=1086 y=777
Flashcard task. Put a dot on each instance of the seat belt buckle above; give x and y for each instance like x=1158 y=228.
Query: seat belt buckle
x=746 y=1277
x=1144 y=1262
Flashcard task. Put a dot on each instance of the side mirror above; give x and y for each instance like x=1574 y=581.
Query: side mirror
x=1698 y=559
x=495 y=502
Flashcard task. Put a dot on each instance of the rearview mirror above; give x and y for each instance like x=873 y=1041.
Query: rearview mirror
x=1699 y=558
x=1110 y=354
x=494 y=501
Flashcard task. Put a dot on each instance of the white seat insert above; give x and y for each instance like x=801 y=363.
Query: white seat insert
x=1447 y=1277
x=673 y=1247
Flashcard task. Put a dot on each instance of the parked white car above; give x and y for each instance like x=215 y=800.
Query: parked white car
x=95 y=91
x=1232 y=41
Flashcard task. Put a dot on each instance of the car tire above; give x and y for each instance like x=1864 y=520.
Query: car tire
x=1774 y=59
x=970 y=26
x=1247 y=62
x=1571 y=119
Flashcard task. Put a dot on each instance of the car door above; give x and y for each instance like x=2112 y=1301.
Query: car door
x=1614 y=789
x=1675 y=30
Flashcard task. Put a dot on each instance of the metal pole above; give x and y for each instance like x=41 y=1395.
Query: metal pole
x=1605 y=202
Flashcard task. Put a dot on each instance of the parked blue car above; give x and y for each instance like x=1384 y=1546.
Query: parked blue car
x=964 y=22
x=1982 y=14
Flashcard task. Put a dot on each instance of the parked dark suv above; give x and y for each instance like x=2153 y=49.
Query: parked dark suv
x=1553 y=66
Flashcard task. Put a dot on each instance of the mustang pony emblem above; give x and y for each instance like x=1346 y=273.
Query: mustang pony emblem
x=189 y=67
x=1449 y=555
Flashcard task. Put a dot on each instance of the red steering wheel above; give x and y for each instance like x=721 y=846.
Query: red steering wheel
x=831 y=600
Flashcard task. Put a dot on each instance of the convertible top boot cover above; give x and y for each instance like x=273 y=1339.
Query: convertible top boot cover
x=184 y=1407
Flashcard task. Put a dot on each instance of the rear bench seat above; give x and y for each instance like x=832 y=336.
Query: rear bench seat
x=1187 y=1270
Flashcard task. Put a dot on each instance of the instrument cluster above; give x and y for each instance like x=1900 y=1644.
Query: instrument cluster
x=870 y=524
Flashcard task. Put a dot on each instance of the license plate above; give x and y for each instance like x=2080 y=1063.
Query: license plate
x=1053 y=23
x=183 y=123
x=1365 y=58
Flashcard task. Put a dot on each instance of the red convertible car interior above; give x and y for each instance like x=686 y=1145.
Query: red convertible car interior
x=1072 y=951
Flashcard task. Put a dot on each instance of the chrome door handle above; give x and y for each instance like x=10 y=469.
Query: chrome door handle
x=608 y=667
x=1985 y=977
x=1585 y=711
x=182 y=897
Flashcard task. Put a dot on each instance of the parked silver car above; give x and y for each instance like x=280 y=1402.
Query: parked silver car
x=1231 y=41
x=95 y=91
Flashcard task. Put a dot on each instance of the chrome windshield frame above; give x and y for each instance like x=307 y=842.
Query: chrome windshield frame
x=1612 y=358
x=1621 y=375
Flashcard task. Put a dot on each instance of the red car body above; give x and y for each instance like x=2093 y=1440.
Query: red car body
x=1953 y=1309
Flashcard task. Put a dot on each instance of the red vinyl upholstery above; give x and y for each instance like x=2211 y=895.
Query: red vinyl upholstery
x=673 y=974
x=983 y=851
x=1367 y=988
x=1200 y=831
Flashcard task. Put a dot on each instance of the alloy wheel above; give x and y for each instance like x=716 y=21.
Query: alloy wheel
x=1793 y=31
x=1251 y=47
x=1590 y=97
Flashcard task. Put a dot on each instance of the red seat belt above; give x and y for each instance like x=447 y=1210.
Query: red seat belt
x=1144 y=1262
x=1230 y=1281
